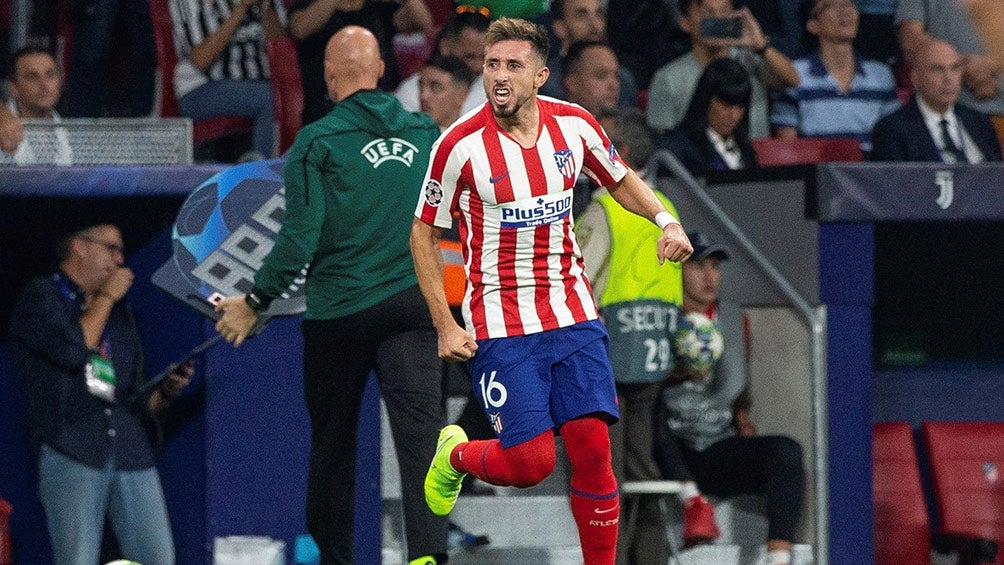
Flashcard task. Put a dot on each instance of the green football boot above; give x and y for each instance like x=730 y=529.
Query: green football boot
x=442 y=482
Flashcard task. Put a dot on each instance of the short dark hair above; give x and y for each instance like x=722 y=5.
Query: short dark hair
x=24 y=52
x=515 y=29
x=454 y=66
x=630 y=129
x=570 y=64
x=458 y=22
x=65 y=242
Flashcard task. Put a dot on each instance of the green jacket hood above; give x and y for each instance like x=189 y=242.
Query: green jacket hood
x=379 y=113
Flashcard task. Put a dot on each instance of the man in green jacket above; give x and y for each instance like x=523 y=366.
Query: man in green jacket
x=352 y=180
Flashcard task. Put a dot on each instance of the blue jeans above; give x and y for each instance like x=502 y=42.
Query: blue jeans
x=86 y=92
x=250 y=98
x=77 y=498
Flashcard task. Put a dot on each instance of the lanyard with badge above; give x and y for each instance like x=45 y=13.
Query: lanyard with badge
x=99 y=373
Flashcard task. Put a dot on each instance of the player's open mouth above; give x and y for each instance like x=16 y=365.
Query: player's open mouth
x=501 y=95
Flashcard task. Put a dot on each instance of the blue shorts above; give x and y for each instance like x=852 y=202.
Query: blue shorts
x=533 y=383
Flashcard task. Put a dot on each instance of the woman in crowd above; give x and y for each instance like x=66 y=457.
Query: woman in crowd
x=714 y=134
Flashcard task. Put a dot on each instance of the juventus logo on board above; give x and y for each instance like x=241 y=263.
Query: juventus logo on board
x=946 y=183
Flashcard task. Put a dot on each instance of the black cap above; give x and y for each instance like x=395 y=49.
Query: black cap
x=703 y=248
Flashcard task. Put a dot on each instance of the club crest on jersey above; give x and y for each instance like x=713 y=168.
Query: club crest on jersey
x=565 y=161
x=433 y=192
x=496 y=420
x=381 y=150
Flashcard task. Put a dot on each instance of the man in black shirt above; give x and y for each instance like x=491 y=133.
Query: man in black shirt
x=76 y=349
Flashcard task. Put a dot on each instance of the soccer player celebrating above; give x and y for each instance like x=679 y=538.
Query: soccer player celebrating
x=541 y=353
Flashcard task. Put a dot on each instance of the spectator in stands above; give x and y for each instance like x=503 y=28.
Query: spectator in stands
x=573 y=21
x=934 y=126
x=444 y=83
x=922 y=20
x=223 y=67
x=36 y=85
x=313 y=22
x=463 y=37
x=988 y=19
x=592 y=81
x=840 y=93
x=673 y=84
x=627 y=129
x=589 y=74
x=646 y=35
x=613 y=242
x=75 y=347
x=103 y=29
x=714 y=133
x=703 y=428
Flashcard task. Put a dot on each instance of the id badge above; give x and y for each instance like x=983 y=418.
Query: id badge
x=100 y=376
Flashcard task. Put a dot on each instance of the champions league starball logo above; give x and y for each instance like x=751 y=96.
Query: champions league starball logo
x=222 y=234
x=433 y=193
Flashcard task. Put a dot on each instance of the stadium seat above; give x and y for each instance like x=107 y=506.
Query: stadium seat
x=202 y=130
x=902 y=529
x=967 y=460
x=772 y=152
x=287 y=89
x=5 y=543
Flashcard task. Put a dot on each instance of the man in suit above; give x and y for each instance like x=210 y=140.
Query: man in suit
x=933 y=126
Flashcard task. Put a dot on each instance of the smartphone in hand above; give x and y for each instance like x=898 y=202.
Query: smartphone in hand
x=722 y=28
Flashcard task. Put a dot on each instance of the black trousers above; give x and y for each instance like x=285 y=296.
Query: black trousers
x=396 y=339
x=767 y=465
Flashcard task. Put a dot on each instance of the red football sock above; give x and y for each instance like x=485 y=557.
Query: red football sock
x=522 y=465
x=594 y=497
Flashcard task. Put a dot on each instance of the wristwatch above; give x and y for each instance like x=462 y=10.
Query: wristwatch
x=257 y=301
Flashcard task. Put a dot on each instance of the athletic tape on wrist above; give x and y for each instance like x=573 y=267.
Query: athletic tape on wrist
x=663 y=219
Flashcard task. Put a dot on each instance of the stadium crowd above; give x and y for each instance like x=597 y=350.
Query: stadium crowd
x=817 y=68
x=718 y=75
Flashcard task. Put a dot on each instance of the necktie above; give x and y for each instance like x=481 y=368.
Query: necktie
x=950 y=152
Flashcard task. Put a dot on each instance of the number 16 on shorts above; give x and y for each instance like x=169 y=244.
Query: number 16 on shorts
x=494 y=395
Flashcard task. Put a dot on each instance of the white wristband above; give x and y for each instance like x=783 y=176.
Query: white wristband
x=663 y=219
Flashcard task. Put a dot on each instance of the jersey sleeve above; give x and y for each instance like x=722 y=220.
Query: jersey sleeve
x=442 y=185
x=601 y=163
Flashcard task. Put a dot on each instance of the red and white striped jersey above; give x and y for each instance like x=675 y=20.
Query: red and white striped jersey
x=515 y=212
